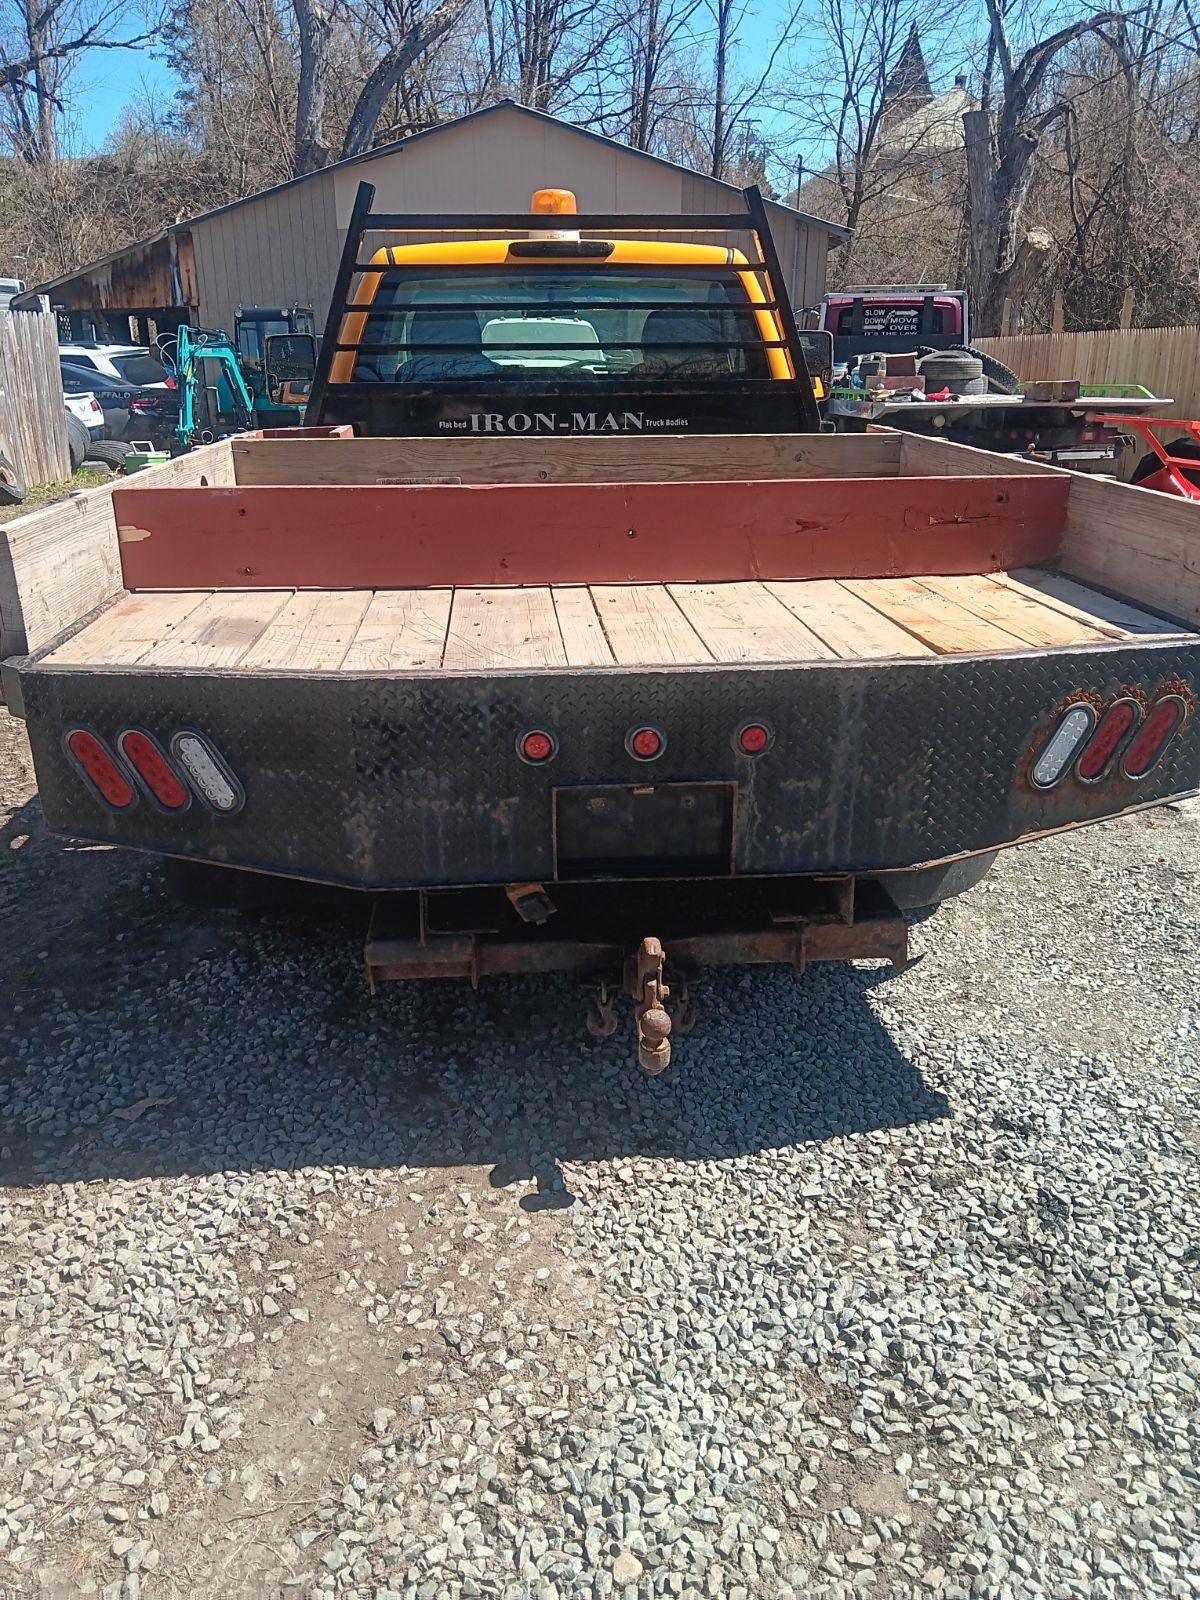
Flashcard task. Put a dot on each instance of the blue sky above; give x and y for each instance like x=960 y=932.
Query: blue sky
x=107 y=82
x=110 y=79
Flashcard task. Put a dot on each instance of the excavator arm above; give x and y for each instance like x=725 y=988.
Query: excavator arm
x=191 y=348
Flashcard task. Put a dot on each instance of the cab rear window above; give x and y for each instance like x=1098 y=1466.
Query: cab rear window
x=526 y=324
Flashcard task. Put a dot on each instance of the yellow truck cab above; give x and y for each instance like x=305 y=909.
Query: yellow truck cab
x=554 y=330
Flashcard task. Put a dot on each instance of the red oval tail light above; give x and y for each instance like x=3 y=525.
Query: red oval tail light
x=147 y=759
x=96 y=765
x=1162 y=723
x=1113 y=727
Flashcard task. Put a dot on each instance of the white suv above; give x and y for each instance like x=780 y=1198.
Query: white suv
x=127 y=363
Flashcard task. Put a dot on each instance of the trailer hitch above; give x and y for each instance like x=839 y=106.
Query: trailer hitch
x=644 y=984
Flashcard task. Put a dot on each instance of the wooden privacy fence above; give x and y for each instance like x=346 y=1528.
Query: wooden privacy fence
x=1166 y=360
x=33 y=423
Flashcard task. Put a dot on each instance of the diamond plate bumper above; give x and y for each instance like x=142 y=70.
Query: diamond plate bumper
x=383 y=780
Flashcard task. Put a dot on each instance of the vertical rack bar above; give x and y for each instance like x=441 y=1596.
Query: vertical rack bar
x=356 y=228
x=806 y=405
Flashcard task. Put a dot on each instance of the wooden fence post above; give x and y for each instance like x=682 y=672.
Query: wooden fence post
x=1057 y=313
x=1127 y=308
x=33 y=416
x=1006 y=312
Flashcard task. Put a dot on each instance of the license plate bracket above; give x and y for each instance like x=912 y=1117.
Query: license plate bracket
x=668 y=830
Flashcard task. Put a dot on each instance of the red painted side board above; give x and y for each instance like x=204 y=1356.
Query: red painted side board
x=401 y=536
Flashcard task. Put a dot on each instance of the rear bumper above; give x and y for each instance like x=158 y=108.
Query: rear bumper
x=393 y=781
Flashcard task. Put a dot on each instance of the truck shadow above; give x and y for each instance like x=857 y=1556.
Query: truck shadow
x=140 y=1039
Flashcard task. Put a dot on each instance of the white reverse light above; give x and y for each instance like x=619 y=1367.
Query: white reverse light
x=1063 y=746
x=213 y=782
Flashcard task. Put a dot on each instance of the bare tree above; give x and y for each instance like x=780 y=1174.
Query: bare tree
x=40 y=41
x=654 y=32
x=731 y=104
x=314 y=28
x=870 y=105
x=1116 y=186
x=1003 y=137
x=238 y=63
x=425 y=29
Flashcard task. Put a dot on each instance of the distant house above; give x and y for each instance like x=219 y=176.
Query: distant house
x=918 y=126
x=921 y=134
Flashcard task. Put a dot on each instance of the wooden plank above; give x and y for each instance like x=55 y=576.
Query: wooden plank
x=925 y=457
x=401 y=630
x=1116 y=618
x=1136 y=543
x=582 y=632
x=56 y=565
x=128 y=629
x=218 y=633
x=849 y=626
x=745 y=622
x=941 y=623
x=646 y=628
x=1139 y=543
x=1022 y=615
x=493 y=630
x=573 y=458
x=312 y=633
x=604 y=533
x=1010 y=580
x=33 y=429
x=61 y=562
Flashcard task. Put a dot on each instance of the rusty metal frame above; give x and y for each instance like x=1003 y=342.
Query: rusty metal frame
x=876 y=931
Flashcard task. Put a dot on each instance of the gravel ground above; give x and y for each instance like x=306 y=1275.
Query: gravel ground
x=887 y=1288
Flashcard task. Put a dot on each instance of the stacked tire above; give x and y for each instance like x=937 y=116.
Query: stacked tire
x=956 y=370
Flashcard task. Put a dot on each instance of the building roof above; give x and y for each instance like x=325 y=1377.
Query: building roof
x=909 y=79
x=836 y=233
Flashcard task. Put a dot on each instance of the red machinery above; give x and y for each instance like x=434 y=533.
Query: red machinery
x=1173 y=467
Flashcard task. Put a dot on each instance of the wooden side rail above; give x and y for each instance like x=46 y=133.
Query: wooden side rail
x=373 y=537
x=625 y=457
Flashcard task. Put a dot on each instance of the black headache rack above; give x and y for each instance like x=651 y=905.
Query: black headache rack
x=726 y=403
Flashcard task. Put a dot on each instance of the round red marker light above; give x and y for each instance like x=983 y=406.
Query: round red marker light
x=537 y=746
x=753 y=739
x=645 y=743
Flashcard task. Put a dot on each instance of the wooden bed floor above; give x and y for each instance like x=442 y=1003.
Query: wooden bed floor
x=464 y=630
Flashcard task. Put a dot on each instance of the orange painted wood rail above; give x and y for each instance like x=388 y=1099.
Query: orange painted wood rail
x=401 y=536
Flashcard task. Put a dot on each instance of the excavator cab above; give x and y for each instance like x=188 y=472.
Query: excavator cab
x=277 y=351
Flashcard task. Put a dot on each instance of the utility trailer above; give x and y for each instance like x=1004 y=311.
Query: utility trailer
x=625 y=704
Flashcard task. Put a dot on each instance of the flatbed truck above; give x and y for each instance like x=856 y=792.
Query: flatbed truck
x=573 y=644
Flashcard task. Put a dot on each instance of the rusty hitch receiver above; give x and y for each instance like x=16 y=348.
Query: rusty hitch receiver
x=591 y=928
